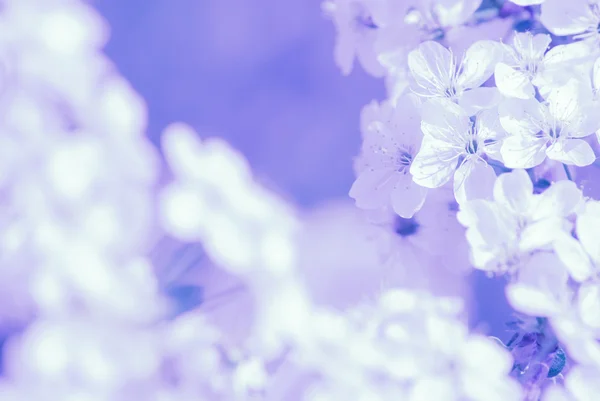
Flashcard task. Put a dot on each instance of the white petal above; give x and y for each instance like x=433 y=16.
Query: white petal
x=490 y=131
x=407 y=197
x=572 y=254
x=478 y=99
x=514 y=190
x=183 y=149
x=566 y=17
x=434 y=164
x=542 y=233
x=478 y=64
x=588 y=120
x=523 y=151
x=564 y=102
x=531 y=47
x=596 y=74
x=444 y=120
x=556 y=392
x=560 y=200
x=572 y=151
x=574 y=52
x=183 y=211
x=588 y=230
x=543 y=274
x=530 y=300
x=432 y=67
x=522 y=117
x=589 y=304
x=372 y=188
x=513 y=83
x=455 y=12
x=474 y=179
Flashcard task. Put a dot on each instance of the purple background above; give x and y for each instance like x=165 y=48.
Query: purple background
x=259 y=73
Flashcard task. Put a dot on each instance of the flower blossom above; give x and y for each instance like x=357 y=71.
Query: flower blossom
x=455 y=146
x=578 y=17
x=554 y=128
x=437 y=73
x=390 y=143
x=502 y=232
x=526 y=64
x=405 y=344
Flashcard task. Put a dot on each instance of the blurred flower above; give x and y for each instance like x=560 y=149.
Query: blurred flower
x=390 y=143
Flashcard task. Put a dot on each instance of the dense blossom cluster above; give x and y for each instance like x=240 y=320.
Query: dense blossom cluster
x=472 y=161
x=497 y=101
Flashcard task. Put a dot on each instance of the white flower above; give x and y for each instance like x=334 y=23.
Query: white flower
x=437 y=17
x=390 y=143
x=581 y=384
x=438 y=74
x=502 y=233
x=357 y=33
x=578 y=325
x=576 y=17
x=526 y=63
x=214 y=199
x=582 y=255
x=427 y=251
x=405 y=344
x=540 y=286
x=453 y=145
x=553 y=128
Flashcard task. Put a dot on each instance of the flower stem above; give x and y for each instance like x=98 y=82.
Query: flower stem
x=567 y=172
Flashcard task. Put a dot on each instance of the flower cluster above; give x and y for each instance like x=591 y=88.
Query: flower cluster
x=473 y=160
x=507 y=118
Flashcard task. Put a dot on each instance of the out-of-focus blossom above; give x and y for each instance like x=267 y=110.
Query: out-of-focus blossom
x=579 y=17
x=214 y=200
x=582 y=255
x=581 y=384
x=427 y=251
x=390 y=143
x=410 y=346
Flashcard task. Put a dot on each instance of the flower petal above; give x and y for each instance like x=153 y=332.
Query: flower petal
x=572 y=254
x=541 y=287
x=478 y=64
x=407 y=197
x=513 y=83
x=572 y=151
x=455 y=12
x=566 y=17
x=434 y=164
x=588 y=230
x=542 y=233
x=432 y=68
x=372 y=188
x=523 y=151
x=530 y=300
x=522 y=117
x=515 y=190
x=561 y=199
x=588 y=300
x=474 y=179
x=478 y=99
x=445 y=121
